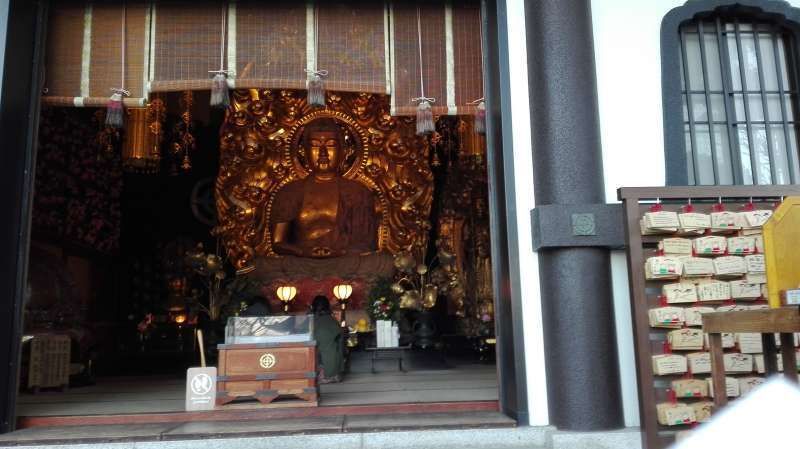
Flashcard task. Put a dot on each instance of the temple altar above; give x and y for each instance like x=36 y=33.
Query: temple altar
x=311 y=194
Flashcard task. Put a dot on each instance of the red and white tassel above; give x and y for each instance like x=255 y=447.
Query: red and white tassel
x=425 y=123
x=219 y=90
x=114 y=109
x=480 y=118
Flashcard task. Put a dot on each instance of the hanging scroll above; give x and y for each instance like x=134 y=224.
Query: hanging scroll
x=270 y=45
x=352 y=45
x=188 y=39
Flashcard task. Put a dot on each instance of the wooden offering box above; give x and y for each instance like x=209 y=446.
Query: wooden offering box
x=266 y=371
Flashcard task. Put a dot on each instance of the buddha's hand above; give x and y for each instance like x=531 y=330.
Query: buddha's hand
x=321 y=251
x=324 y=251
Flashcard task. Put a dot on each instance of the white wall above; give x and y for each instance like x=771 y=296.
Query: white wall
x=523 y=178
x=627 y=37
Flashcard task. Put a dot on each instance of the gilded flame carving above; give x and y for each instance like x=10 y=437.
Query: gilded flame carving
x=260 y=152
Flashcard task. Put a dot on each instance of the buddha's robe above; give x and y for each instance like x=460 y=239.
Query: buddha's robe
x=353 y=228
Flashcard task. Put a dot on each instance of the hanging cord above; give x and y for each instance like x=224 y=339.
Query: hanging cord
x=222 y=35
x=422 y=96
x=121 y=90
x=316 y=70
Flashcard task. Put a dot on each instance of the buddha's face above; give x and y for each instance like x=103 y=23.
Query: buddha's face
x=323 y=152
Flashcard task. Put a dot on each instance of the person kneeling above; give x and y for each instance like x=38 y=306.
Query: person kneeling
x=329 y=341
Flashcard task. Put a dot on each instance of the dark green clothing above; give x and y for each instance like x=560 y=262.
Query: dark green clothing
x=328 y=334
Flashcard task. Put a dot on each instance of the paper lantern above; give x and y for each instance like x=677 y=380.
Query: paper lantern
x=286 y=294
x=342 y=291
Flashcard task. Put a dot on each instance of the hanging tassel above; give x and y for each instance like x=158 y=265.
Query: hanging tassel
x=219 y=90
x=316 y=90
x=424 y=117
x=480 y=118
x=436 y=162
x=186 y=165
x=114 y=109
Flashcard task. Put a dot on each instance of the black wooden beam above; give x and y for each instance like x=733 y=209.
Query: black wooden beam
x=502 y=215
x=19 y=111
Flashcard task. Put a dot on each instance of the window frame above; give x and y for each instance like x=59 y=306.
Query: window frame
x=777 y=13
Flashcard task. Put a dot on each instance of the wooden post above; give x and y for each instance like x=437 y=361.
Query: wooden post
x=718 y=370
x=770 y=354
x=789 y=357
x=202 y=348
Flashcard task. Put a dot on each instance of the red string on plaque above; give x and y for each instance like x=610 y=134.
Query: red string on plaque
x=672 y=396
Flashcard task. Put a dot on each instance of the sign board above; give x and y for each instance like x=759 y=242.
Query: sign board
x=201 y=388
x=781 y=234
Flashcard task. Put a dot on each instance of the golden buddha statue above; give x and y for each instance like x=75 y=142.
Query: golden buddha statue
x=324 y=224
x=324 y=215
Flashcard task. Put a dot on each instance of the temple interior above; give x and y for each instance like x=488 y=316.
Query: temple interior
x=342 y=157
x=147 y=238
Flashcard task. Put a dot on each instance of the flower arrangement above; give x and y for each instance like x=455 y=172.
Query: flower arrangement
x=222 y=289
x=383 y=302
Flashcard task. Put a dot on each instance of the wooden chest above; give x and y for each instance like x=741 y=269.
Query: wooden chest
x=267 y=371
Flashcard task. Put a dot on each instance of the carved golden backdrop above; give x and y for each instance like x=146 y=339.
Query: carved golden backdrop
x=260 y=152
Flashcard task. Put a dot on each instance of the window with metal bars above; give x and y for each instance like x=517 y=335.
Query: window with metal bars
x=736 y=72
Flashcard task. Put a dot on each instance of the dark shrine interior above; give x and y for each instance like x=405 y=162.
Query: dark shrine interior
x=107 y=262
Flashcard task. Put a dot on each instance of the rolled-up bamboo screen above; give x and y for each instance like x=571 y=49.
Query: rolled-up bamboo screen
x=187 y=44
x=171 y=45
x=64 y=47
x=405 y=42
x=106 y=69
x=352 y=45
x=467 y=55
x=83 y=52
x=271 y=44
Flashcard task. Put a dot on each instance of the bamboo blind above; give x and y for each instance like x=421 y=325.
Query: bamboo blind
x=171 y=45
x=271 y=45
x=406 y=55
x=106 y=68
x=188 y=43
x=352 y=45
x=467 y=55
x=64 y=48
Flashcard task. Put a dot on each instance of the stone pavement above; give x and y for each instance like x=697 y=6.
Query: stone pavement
x=469 y=430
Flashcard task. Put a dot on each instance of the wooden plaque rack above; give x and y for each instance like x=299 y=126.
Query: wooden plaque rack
x=645 y=294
